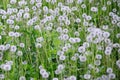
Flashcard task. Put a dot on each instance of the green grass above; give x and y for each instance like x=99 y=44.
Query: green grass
x=46 y=56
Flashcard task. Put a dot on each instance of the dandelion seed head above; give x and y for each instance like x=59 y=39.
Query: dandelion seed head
x=82 y=58
x=109 y=70
x=7 y=67
x=112 y=76
x=62 y=57
x=2 y=76
x=22 y=78
x=94 y=9
x=87 y=76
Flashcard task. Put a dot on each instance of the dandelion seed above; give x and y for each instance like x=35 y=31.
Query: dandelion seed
x=108 y=2
x=60 y=67
x=82 y=58
x=42 y=71
x=22 y=45
x=112 y=76
x=39 y=39
x=99 y=56
x=7 y=67
x=2 y=76
x=19 y=53
x=83 y=6
x=62 y=57
x=109 y=70
x=55 y=79
x=79 y=1
x=81 y=49
x=94 y=9
x=97 y=62
x=107 y=52
x=105 y=77
x=2 y=47
x=87 y=76
x=22 y=78
x=38 y=45
x=45 y=75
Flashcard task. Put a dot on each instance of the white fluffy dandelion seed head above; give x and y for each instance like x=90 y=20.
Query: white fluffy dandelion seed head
x=112 y=76
x=39 y=39
x=79 y=1
x=10 y=21
x=13 y=1
x=68 y=45
x=17 y=27
x=106 y=34
x=98 y=56
x=86 y=44
x=4 y=16
x=55 y=79
x=65 y=31
x=89 y=39
x=62 y=57
x=104 y=8
x=2 y=47
x=65 y=37
x=81 y=49
x=57 y=71
x=59 y=29
x=88 y=18
x=19 y=53
x=26 y=15
x=105 y=27
x=105 y=77
x=42 y=71
x=22 y=45
x=7 y=67
x=45 y=75
x=9 y=62
x=94 y=9
x=108 y=2
x=118 y=62
x=38 y=45
x=109 y=70
x=72 y=40
x=37 y=27
x=7 y=46
x=13 y=48
x=73 y=58
x=67 y=22
x=82 y=58
x=53 y=1
x=97 y=62
x=118 y=24
x=73 y=77
x=2 y=76
x=108 y=52
x=87 y=76
x=61 y=67
x=60 y=53
x=77 y=40
x=65 y=49
x=22 y=78
x=97 y=70
x=76 y=33
x=34 y=8
x=83 y=6
x=40 y=67
x=17 y=34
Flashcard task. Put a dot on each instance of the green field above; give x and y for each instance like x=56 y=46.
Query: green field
x=59 y=39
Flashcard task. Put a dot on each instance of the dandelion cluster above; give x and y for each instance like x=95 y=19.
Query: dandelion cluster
x=59 y=39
